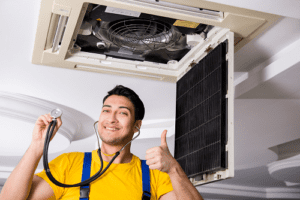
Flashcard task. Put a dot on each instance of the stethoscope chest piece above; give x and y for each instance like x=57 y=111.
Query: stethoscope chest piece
x=56 y=113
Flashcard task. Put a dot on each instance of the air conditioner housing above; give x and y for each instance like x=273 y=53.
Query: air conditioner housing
x=246 y=24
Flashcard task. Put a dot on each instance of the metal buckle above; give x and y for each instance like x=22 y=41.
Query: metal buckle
x=146 y=195
x=84 y=192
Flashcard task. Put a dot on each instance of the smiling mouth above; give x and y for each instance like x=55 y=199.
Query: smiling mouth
x=111 y=129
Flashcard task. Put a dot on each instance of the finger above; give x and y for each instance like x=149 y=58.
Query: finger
x=49 y=117
x=151 y=155
x=152 y=161
x=164 y=139
x=59 y=122
x=151 y=150
x=155 y=166
x=43 y=120
x=57 y=125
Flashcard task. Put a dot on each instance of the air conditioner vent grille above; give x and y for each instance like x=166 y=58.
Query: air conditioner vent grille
x=201 y=115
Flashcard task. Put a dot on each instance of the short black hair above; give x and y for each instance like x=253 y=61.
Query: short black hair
x=139 y=109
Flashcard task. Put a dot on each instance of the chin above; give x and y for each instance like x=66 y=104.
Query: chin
x=115 y=141
x=109 y=139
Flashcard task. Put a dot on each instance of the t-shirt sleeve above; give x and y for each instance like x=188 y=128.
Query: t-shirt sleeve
x=58 y=168
x=164 y=184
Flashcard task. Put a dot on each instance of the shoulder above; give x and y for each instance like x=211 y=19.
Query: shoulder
x=66 y=159
x=159 y=176
x=73 y=155
x=70 y=155
x=162 y=183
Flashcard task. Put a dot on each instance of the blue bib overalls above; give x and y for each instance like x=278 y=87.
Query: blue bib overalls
x=86 y=171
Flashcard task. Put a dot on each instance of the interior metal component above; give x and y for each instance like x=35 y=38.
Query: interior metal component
x=101 y=45
x=85 y=29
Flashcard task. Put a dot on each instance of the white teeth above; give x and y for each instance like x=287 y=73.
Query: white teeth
x=112 y=129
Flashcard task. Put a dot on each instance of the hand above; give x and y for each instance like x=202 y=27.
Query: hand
x=160 y=157
x=40 y=129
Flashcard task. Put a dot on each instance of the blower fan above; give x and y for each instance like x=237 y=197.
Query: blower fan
x=137 y=34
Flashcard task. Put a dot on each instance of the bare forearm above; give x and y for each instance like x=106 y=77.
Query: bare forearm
x=182 y=186
x=18 y=184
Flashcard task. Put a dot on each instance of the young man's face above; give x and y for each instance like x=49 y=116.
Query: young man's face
x=117 y=121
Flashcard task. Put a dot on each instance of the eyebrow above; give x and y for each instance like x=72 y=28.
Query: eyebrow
x=119 y=107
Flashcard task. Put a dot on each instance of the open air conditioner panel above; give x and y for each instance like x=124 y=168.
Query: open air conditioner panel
x=204 y=115
x=168 y=36
x=131 y=35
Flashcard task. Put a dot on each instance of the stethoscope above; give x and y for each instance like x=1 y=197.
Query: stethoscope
x=55 y=114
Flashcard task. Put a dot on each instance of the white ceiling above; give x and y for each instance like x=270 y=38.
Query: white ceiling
x=278 y=37
x=260 y=122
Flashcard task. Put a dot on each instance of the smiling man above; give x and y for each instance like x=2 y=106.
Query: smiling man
x=121 y=116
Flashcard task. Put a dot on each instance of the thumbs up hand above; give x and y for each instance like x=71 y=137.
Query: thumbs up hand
x=160 y=157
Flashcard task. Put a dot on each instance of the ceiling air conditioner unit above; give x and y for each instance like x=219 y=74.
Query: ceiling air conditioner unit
x=191 y=43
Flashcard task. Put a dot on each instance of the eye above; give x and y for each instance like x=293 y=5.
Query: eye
x=124 y=113
x=105 y=111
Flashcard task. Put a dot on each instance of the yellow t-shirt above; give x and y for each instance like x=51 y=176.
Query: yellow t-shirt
x=120 y=181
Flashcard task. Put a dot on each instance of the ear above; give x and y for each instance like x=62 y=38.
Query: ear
x=138 y=123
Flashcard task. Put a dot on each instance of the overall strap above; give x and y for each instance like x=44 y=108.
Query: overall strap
x=86 y=172
x=146 y=181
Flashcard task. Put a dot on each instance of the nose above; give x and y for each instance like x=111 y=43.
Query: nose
x=112 y=118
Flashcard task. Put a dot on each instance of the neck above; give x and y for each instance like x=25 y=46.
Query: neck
x=108 y=152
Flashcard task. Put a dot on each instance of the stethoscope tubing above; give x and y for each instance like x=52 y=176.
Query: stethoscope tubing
x=83 y=183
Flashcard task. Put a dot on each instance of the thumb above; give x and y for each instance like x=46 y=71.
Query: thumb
x=164 y=139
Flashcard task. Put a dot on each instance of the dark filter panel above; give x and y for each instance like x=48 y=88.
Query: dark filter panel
x=201 y=115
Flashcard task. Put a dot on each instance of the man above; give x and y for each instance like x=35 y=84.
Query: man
x=121 y=115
